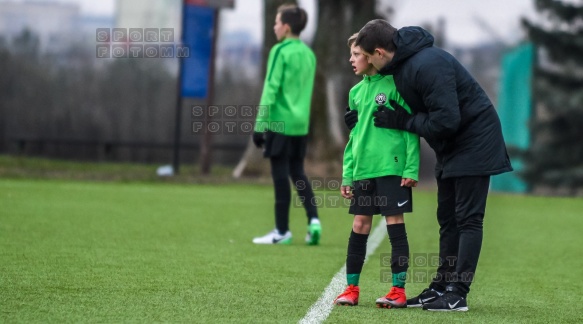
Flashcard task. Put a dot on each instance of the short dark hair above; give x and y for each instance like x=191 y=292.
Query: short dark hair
x=376 y=33
x=294 y=16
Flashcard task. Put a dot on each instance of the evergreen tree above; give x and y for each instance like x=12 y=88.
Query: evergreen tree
x=555 y=157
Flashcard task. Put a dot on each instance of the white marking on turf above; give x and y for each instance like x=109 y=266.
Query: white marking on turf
x=320 y=310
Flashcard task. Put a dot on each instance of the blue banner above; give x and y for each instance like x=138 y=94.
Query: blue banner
x=197 y=36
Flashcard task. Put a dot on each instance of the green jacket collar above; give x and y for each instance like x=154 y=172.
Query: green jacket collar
x=289 y=40
x=373 y=78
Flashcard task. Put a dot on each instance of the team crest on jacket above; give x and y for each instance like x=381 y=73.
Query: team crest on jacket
x=380 y=99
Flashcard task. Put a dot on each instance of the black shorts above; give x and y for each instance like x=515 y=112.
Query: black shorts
x=383 y=195
x=279 y=145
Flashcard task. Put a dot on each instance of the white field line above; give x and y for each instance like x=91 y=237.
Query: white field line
x=320 y=310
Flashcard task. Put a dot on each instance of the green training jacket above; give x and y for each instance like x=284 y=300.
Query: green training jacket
x=371 y=151
x=287 y=91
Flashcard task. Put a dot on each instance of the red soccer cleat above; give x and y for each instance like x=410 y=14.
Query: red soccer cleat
x=394 y=299
x=349 y=297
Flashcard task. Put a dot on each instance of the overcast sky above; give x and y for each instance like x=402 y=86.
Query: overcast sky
x=465 y=18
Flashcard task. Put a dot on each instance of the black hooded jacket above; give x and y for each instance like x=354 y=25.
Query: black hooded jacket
x=451 y=111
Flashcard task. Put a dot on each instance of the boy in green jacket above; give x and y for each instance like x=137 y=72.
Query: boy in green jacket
x=283 y=120
x=380 y=167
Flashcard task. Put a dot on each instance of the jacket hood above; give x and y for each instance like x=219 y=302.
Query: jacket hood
x=409 y=40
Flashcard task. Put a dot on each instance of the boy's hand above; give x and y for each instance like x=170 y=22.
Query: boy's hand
x=350 y=118
x=258 y=139
x=406 y=182
x=346 y=192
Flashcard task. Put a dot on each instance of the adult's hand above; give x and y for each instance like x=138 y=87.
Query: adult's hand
x=392 y=119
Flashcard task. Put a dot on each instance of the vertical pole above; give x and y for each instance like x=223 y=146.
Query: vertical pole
x=178 y=117
x=205 y=146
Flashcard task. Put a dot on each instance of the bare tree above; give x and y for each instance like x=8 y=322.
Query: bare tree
x=337 y=20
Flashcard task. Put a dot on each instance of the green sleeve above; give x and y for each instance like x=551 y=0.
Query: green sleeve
x=271 y=86
x=348 y=164
x=411 y=170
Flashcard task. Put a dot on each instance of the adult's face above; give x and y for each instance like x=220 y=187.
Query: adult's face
x=379 y=57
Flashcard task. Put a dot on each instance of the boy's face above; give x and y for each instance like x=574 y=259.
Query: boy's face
x=281 y=30
x=359 y=62
x=379 y=58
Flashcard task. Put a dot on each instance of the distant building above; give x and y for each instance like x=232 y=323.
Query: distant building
x=54 y=23
x=149 y=14
x=237 y=52
x=88 y=25
x=234 y=49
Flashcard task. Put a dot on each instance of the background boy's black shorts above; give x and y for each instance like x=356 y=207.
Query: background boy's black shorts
x=279 y=145
x=383 y=195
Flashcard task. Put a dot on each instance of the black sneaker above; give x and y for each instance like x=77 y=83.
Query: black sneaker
x=451 y=301
x=426 y=296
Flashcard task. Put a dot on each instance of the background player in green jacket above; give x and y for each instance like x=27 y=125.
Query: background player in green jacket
x=380 y=167
x=283 y=120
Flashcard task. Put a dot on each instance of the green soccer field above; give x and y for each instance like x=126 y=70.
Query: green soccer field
x=147 y=252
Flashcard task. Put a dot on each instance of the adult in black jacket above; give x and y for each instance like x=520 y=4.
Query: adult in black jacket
x=456 y=118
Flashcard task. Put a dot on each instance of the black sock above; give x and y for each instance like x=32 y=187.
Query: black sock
x=282 y=202
x=356 y=252
x=399 y=248
x=305 y=192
